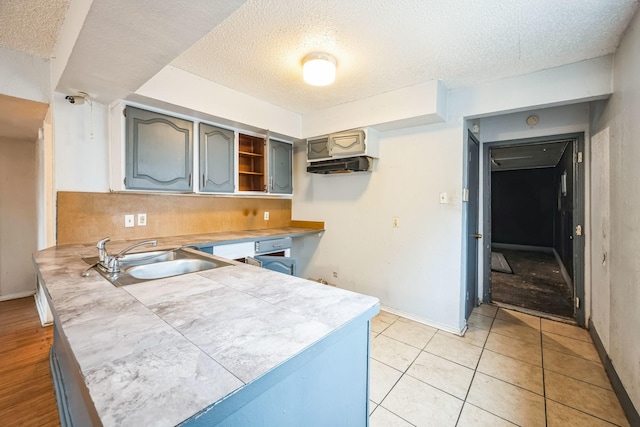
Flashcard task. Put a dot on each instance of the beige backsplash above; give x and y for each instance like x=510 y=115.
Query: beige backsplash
x=88 y=217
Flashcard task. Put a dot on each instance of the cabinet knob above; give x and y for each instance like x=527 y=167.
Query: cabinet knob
x=478 y=236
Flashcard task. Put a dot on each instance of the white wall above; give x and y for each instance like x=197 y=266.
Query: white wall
x=45 y=194
x=551 y=121
x=622 y=295
x=81 y=161
x=414 y=268
x=18 y=222
x=188 y=94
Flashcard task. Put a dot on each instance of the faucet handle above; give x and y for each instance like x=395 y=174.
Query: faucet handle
x=102 y=242
x=102 y=251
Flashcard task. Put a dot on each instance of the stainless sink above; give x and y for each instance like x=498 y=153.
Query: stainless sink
x=158 y=270
x=143 y=266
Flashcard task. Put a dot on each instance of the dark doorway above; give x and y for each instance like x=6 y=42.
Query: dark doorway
x=533 y=219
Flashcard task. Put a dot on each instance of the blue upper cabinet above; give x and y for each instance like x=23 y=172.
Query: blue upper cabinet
x=280 y=167
x=159 y=151
x=217 y=172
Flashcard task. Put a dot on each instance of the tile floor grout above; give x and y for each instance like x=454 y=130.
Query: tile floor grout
x=464 y=401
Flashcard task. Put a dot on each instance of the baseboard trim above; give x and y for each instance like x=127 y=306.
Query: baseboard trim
x=563 y=270
x=17 y=295
x=424 y=321
x=627 y=405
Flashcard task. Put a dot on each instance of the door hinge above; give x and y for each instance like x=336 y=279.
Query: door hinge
x=579 y=157
x=577 y=302
x=578 y=230
x=125 y=181
x=124 y=112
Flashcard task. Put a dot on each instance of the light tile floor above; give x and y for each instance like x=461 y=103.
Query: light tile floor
x=509 y=369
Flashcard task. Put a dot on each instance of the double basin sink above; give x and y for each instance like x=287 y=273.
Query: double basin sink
x=143 y=266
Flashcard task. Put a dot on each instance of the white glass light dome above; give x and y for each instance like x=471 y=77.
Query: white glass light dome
x=319 y=69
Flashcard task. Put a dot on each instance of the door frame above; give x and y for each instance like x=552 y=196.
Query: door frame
x=578 y=213
x=473 y=218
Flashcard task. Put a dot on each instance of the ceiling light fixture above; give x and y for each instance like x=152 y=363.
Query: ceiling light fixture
x=319 y=69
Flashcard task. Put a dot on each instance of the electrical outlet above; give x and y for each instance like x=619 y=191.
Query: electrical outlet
x=142 y=219
x=335 y=274
x=266 y=216
x=129 y=221
x=396 y=222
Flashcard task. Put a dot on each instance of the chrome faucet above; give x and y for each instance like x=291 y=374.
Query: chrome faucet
x=112 y=264
x=126 y=250
x=102 y=251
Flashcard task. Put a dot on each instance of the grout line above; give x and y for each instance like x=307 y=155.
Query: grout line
x=586 y=413
x=582 y=381
x=489 y=412
x=514 y=358
x=390 y=411
x=544 y=384
x=475 y=371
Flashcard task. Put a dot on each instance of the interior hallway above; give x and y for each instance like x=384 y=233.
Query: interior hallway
x=509 y=369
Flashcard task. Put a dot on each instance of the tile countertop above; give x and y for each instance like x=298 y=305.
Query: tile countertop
x=156 y=353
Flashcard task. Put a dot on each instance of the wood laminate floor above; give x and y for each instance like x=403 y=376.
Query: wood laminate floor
x=27 y=396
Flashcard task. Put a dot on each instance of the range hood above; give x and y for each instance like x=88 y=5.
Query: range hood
x=344 y=165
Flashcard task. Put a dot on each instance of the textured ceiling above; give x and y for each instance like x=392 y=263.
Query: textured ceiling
x=386 y=45
x=31 y=26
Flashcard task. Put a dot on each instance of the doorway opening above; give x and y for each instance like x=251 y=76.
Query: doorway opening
x=533 y=218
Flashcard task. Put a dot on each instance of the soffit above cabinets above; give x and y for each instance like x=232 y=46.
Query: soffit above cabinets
x=530 y=156
x=124 y=43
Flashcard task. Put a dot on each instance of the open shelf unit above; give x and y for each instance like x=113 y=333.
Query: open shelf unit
x=251 y=163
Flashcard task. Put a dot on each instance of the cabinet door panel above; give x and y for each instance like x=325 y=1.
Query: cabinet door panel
x=280 y=264
x=318 y=149
x=216 y=159
x=280 y=167
x=347 y=143
x=158 y=151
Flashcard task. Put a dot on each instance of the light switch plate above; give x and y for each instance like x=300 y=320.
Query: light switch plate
x=129 y=221
x=266 y=216
x=444 y=198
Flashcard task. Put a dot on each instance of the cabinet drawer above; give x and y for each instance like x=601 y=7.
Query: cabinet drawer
x=348 y=143
x=266 y=246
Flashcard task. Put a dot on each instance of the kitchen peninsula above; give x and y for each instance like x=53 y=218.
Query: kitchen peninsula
x=232 y=346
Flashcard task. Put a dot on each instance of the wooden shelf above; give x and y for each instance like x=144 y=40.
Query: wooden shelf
x=251 y=163
x=244 y=153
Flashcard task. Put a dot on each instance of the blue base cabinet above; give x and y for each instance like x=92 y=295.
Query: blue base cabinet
x=325 y=385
